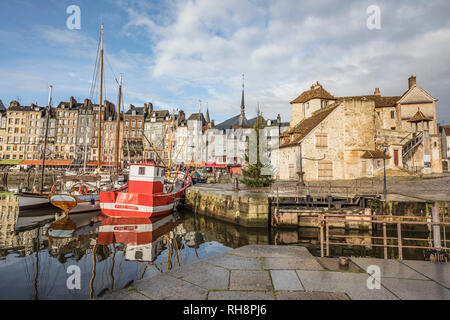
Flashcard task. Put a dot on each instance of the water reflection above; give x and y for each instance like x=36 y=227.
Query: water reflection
x=37 y=248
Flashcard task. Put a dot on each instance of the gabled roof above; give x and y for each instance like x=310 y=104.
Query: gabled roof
x=316 y=92
x=139 y=111
x=159 y=113
x=301 y=130
x=419 y=117
x=416 y=95
x=197 y=116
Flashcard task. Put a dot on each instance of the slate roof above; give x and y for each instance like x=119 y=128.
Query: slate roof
x=196 y=116
x=2 y=107
x=139 y=111
x=235 y=122
x=301 y=130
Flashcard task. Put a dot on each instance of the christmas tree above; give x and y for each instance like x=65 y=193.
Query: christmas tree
x=252 y=173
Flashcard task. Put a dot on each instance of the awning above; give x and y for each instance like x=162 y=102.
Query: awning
x=215 y=165
x=49 y=163
x=10 y=162
x=375 y=154
x=104 y=164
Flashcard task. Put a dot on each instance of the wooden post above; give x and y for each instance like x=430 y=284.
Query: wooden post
x=327 y=237
x=385 y=241
x=399 y=239
x=321 y=236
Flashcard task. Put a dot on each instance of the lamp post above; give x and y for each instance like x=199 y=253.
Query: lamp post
x=301 y=182
x=384 y=164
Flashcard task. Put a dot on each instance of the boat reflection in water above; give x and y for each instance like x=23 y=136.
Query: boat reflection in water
x=145 y=238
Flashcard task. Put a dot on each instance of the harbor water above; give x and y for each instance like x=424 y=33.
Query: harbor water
x=45 y=255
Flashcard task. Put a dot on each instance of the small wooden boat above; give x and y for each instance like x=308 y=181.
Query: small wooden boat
x=148 y=194
x=72 y=204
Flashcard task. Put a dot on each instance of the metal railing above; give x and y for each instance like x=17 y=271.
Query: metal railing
x=324 y=220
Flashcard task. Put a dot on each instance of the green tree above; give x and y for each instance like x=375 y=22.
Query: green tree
x=252 y=176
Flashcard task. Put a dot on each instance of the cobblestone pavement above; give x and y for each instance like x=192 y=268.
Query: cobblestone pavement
x=292 y=273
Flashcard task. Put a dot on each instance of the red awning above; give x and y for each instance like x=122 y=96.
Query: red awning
x=104 y=164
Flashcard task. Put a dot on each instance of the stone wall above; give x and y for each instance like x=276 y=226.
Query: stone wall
x=238 y=208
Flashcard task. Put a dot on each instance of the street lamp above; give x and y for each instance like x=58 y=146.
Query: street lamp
x=301 y=182
x=385 y=148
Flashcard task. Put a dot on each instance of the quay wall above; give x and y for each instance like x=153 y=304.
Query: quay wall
x=242 y=209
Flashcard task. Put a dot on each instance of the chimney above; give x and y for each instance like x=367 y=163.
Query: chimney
x=377 y=92
x=145 y=108
x=150 y=107
x=279 y=118
x=72 y=102
x=412 y=81
x=87 y=102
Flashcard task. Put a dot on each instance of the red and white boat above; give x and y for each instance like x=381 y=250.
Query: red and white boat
x=147 y=195
x=144 y=237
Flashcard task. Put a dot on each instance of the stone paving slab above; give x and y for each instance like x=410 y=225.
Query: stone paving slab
x=234 y=262
x=291 y=264
x=274 y=251
x=241 y=295
x=389 y=268
x=165 y=287
x=439 y=272
x=286 y=280
x=353 y=284
x=408 y=289
x=250 y=280
x=204 y=275
x=300 y=295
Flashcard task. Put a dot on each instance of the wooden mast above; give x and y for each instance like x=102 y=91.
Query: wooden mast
x=99 y=141
x=45 y=138
x=118 y=127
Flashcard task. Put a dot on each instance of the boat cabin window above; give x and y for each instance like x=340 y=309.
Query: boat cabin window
x=142 y=171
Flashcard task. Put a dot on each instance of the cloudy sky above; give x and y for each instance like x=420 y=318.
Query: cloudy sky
x=175 y=53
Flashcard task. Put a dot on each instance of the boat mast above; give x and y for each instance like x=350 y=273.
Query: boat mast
x=45 y=138
x=99 y=141
x=118 y=127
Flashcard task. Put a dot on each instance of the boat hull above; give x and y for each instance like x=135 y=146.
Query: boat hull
x=135 y=205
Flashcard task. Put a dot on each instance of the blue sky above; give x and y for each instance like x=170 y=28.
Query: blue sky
x=174 y=53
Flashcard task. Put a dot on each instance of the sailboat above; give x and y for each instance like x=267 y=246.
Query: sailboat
x=87 y=194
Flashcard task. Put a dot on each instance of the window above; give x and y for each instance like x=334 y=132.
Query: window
x=392 y=114
x=378 y=113
x=325 y=169
x=142 y=171
x=393 y=128
x=321 y=140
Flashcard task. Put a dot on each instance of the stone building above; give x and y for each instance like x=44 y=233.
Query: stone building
x=66 y=130
x=16 y=131
x=154 y=131
x=445 y=143
x=83 y=145
x=345 y=135
x=2 y=115
x=33 y=139
x=133 y=147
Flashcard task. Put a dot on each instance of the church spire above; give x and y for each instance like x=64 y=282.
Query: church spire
x=243 y=97
x=208 y=119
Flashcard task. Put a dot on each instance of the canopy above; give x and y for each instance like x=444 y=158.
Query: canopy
x=10 y=162
x=49 y=163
